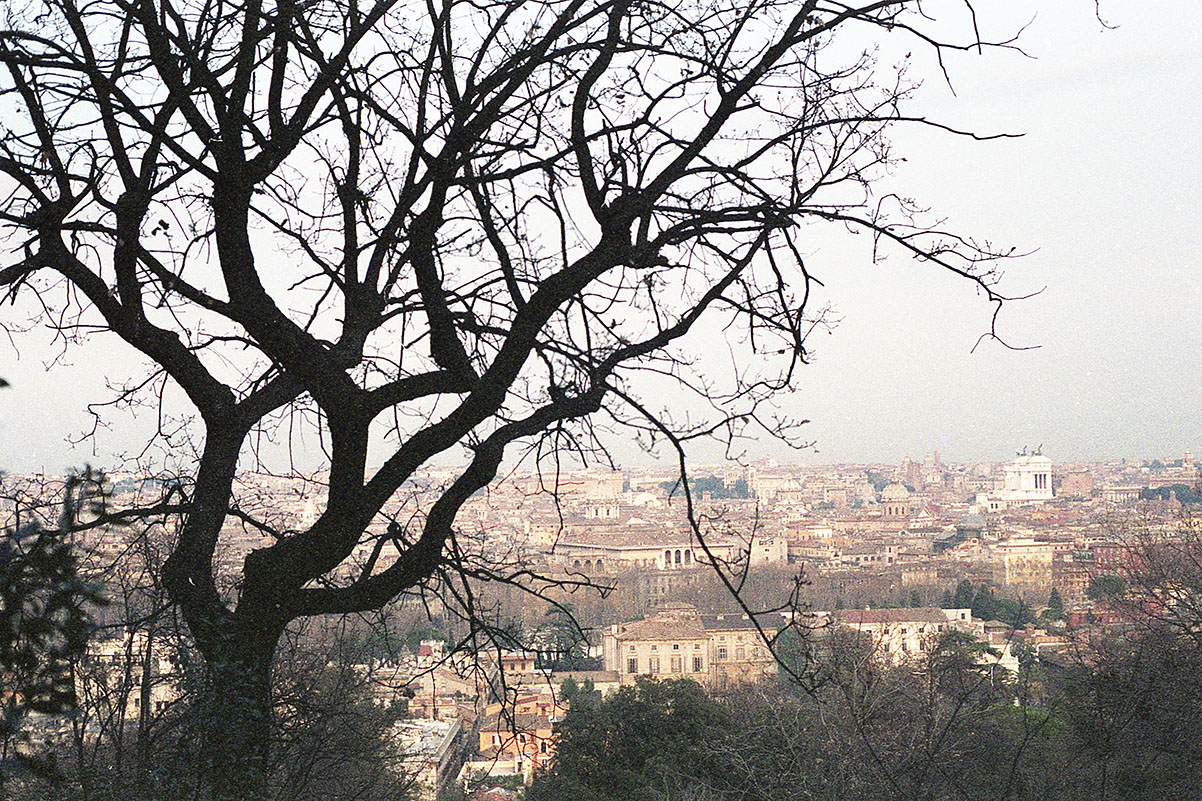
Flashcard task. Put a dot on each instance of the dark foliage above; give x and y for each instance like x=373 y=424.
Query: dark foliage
x=1182 y=492
x=652 y=740
x=1109 y=586
x=45 y=620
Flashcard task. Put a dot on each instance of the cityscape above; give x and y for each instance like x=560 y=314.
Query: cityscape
x=629 y=566
x=600 y=400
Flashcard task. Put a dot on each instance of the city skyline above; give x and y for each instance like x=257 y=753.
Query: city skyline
x=329 y=325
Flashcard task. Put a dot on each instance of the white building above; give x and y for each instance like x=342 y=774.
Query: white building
x=1027 y=479
x=768 y=550
x=431 y=753
x=601 y=549
x=896 y=501
x=901 y=634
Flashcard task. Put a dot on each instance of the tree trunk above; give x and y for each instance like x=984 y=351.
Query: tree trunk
x=145 y=682
x=233 y=715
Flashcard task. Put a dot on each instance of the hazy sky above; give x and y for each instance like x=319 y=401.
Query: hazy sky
x=1104 y=188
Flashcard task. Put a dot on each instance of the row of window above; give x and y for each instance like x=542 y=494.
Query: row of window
x=723 y=653
x=675 y=665
x=542 y=744
x=678 y=557
x=136 y=701
x=740 y=653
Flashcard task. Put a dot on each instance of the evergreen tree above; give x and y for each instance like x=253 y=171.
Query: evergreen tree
x=44 y=624
x=655 y=734
x=1108 y=587
x=1055 y=605
x=964 y=597
x=984 y=605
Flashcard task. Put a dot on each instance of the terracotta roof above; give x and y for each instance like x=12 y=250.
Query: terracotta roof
x=501 y=722
x=737 y=622
x=635 y=538
x=662 y=629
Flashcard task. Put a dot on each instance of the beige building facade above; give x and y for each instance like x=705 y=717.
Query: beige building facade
x=1025 y=566
x=604 y=549
x=678 y=642
x=898 y=635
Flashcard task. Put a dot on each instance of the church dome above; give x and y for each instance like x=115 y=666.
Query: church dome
x=972 y=522
x=895 y=492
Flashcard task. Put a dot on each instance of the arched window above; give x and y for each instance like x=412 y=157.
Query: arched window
x=688 y=557
x=599 y=564
x=667 y=558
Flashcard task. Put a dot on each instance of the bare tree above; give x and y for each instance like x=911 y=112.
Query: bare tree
x=1137 y=703
x=416 y=229
x=132 y=682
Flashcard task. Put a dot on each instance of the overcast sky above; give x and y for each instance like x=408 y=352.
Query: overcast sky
x=1104 y=189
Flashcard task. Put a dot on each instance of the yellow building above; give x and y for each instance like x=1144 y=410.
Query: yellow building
x=521 y=732
x=678 y=642
x=1025 y=565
